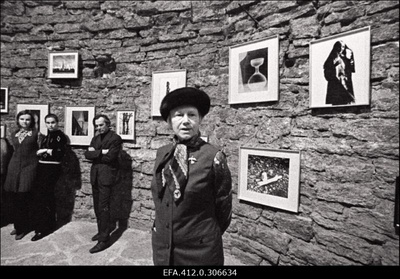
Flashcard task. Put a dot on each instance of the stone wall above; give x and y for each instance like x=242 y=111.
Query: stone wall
x=349 y=156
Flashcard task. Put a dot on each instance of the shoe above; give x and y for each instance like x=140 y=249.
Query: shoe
x=19 y=236
x=96 y=237
x=100 y=246
x=38 y=236
x=13 y=232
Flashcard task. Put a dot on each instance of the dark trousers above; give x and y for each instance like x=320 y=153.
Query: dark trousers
x=44 y=198
x=21 y=208
x=101 y=202
x=6 y=211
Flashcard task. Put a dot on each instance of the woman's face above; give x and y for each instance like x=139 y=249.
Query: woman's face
x=185 y=121
x=51 y=124
x=25 y=121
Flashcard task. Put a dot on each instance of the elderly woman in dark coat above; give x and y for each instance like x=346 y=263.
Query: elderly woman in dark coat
x=21 y=173
x=191 y=187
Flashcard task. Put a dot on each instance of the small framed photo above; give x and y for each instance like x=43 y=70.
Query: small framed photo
x=254 y=71
x=4 y=100
x=340 y=69
x=162 y=83
x=63 y=64
x=3 y=131
x=126 y=124
x=79 y=124
x=39 y=112
x=270 y=177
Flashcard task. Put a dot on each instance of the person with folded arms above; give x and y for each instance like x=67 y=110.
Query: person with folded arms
x=51 y=153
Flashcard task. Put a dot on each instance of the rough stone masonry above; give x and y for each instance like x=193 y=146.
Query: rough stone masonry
x=349 y=156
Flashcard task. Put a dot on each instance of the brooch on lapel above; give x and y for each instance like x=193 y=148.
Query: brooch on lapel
x=177 y=194
x=192 y=160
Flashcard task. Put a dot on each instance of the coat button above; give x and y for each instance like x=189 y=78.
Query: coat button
x=167 y=225
x=167 y=204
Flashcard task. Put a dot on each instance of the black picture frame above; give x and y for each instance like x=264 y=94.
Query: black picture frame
x=4 y=100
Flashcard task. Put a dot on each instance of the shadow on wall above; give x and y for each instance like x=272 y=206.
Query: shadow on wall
x=121 y=200
x=66 y=187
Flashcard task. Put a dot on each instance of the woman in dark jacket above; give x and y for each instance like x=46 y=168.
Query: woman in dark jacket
x=191 y=187
x=51 y=152
x=21 y=172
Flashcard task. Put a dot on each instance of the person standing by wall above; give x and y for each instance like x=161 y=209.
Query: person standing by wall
x=21 y=173
x=51 y=152
x=191 y=187
x=103 y=152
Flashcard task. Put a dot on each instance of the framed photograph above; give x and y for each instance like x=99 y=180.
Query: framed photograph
x=126 y=124
x=63 y=64
x=254 y=71
x=4 y=100
x=39 y=112
x=270 y=177
x=397 y=206
x=3 y=131
x=340 y=69
x=162 y=83
x=79 y=124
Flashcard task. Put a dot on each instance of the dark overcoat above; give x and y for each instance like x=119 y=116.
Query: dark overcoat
x=104 y=167
x=188 y=232
x=6 y=153
x=21 y=173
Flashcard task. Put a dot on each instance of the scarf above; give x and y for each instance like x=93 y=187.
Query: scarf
x=176 y=168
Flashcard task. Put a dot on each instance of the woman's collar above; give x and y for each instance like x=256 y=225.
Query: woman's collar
x=192 y=142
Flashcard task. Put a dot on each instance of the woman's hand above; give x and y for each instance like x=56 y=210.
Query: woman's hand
x=41 y=151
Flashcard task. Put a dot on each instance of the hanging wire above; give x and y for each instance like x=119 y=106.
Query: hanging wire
x=256 y=22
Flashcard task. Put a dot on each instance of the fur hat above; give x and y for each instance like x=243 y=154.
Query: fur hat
x=185 y=96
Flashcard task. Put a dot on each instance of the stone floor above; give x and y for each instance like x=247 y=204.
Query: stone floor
x=70 y=244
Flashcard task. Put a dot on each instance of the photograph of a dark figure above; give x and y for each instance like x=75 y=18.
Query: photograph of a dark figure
x=338 y=70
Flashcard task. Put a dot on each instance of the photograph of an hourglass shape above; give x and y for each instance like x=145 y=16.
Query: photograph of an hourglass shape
x=253 y=71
